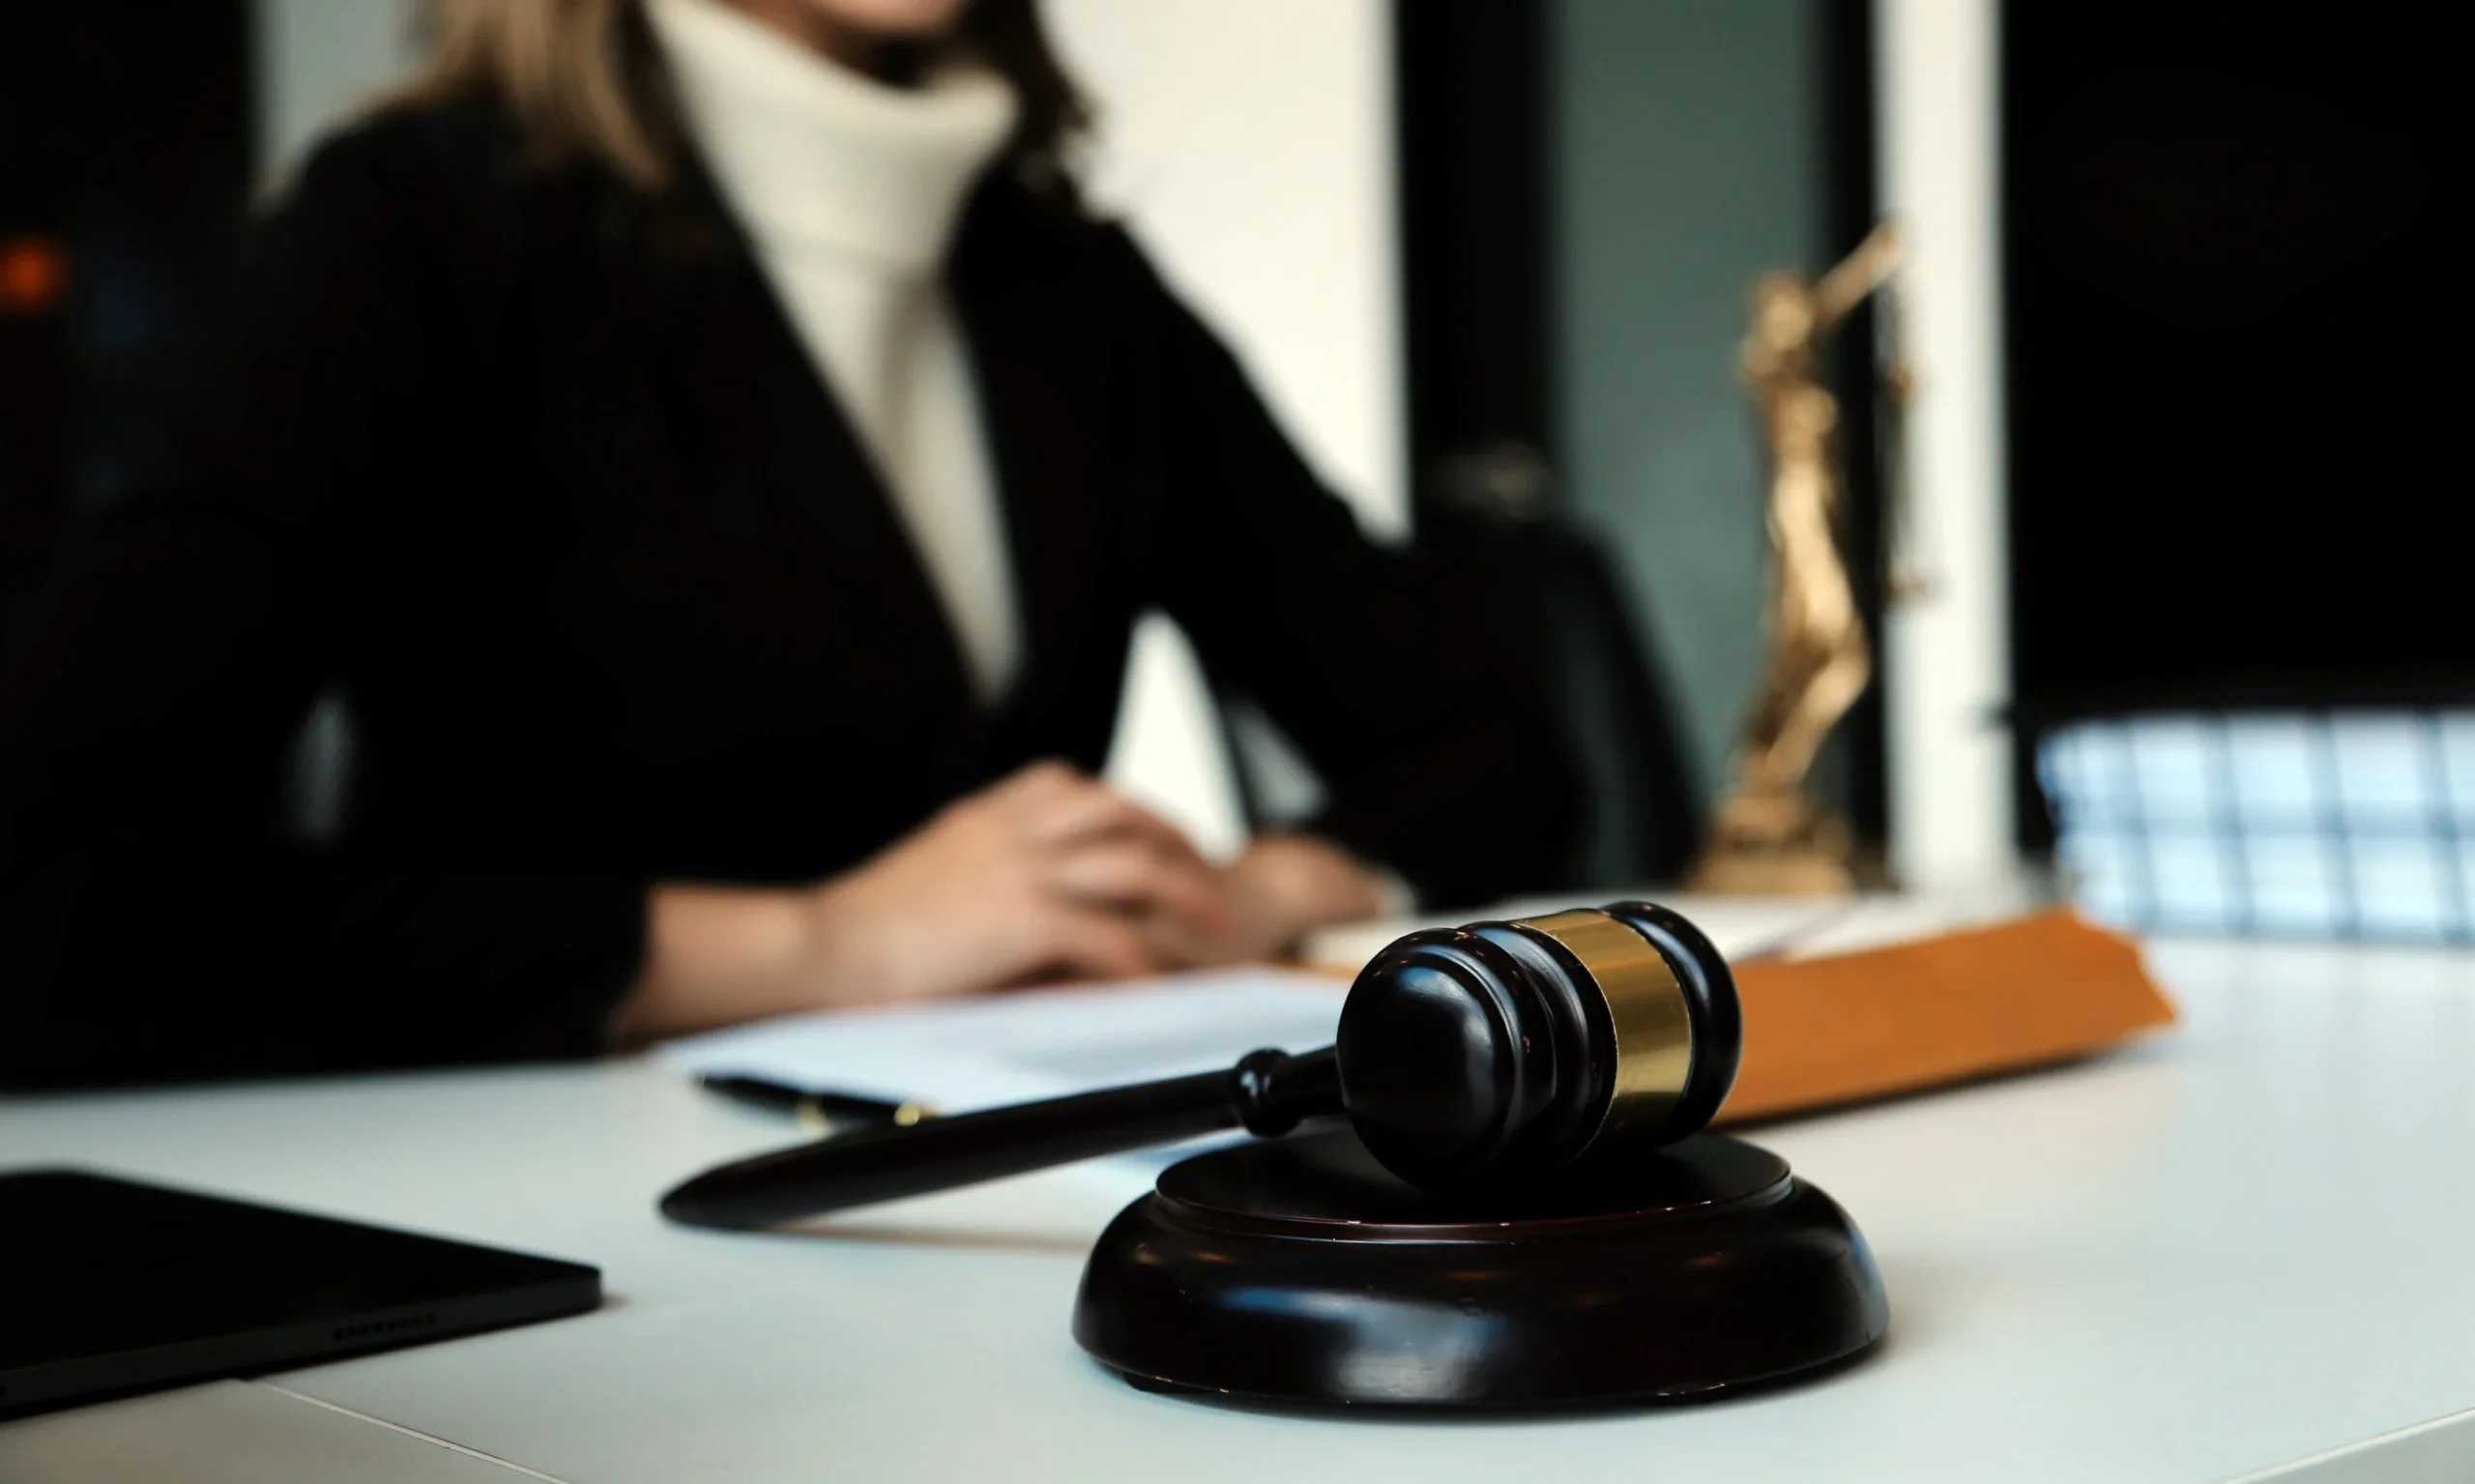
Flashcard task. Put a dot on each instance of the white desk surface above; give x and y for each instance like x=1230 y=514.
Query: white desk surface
x=2242 y=1249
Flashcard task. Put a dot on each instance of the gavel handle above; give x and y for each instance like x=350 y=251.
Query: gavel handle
x=1266 y=1092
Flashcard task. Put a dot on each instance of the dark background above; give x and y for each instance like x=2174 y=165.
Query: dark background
x=126 y=146
x=2238 y=241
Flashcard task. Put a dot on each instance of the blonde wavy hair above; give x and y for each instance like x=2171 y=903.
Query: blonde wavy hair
x=583 y=80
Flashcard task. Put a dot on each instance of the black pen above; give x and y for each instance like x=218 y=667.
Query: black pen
x=817 y=1111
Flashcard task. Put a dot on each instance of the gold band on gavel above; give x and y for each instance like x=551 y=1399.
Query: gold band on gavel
x=1653 y=1029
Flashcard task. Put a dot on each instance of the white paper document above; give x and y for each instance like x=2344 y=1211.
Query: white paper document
x=1740 y=927
x=978 y=1053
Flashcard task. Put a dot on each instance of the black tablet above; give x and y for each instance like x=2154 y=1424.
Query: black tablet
x=108 y=1287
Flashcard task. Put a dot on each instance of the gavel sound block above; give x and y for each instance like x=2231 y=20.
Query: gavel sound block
x=1514 y=1209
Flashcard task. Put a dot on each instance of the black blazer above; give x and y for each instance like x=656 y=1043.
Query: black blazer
x=531 y=468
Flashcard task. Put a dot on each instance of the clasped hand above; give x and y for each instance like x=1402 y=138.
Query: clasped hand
x=1048 y=875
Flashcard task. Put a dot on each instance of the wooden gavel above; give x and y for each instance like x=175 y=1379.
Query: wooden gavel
x=1468 y=1057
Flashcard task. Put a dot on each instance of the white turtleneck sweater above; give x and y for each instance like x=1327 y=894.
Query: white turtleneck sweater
x=850 y=190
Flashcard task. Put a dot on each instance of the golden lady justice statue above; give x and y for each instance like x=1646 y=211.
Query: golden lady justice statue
x=1769 y=838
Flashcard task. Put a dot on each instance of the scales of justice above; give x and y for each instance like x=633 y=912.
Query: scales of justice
x=1769 y=838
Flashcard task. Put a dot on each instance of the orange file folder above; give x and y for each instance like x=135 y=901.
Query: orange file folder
x=1937 y=1010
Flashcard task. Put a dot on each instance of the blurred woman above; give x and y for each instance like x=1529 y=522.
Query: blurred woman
x=718 y=462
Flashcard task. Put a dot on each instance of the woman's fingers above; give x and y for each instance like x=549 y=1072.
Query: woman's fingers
x=1089 y=944
x=1056 y=806
x=1097 y=810
x=1133 y=876
x=1029 y=788
x=1115 y=890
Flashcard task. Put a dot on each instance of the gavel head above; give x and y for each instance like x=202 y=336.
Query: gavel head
x=1501 y=1051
